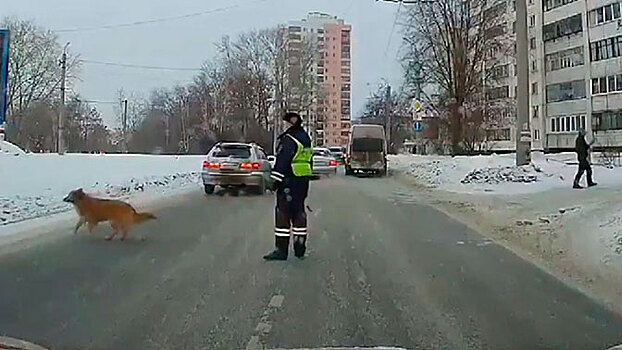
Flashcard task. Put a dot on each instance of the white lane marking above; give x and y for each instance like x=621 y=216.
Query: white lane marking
x=276 y=301
x=254 y=344
x=264 y=326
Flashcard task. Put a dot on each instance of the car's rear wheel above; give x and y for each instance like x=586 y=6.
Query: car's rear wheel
x=209 y=189
x=259 y=190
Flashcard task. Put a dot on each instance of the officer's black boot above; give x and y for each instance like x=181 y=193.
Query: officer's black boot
x=280 y=253
x=300 y=246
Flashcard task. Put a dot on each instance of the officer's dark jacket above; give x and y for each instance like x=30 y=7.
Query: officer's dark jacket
x=286 y=151
x=581 y=147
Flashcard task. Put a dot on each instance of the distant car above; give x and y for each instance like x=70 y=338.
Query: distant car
x=367 y=150
x=235 y=166
x=339 y=153
x=323 y=162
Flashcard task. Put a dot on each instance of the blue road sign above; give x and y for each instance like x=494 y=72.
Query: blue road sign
x=418 y=126
x=4 y=73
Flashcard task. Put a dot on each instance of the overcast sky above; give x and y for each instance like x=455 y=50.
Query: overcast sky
x=189 y=42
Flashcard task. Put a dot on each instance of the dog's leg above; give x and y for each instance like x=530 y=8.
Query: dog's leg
x=78 y=225
x=115 y=228
x=125 y=233
x=91 y=226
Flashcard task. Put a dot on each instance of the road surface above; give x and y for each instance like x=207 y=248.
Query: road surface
x=382 y=270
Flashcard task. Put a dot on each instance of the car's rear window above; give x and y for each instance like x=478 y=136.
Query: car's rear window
x=367 y=145
x=233 y=151
x=320 y=152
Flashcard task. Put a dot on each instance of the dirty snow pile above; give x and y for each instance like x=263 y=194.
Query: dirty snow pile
x=524 y=174
x=33 y=185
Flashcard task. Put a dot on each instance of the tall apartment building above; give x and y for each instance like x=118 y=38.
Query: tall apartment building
x=328 y=115
x=578 y=83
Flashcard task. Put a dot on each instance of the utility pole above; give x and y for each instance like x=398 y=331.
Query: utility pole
x=387 y=115
x=60 y=145
x=522 y=98
x=124 y=122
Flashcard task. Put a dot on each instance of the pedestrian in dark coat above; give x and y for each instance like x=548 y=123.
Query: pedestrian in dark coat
x=582 y=148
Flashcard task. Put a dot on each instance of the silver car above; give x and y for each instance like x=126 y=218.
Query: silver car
x=236 y=166
x=323 y=162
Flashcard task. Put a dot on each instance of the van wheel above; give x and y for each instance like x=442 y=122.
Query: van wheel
x=209 y=189
x=233 y=191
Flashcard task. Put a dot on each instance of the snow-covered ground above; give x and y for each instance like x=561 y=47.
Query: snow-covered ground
x=533 y=210
x=497 y=174
x=33 y=185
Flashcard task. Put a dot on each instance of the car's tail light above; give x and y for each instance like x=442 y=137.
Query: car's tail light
x=334 y=163
x=250 y=166
x=208 y=165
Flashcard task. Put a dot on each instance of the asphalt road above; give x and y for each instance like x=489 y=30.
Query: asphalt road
x=382 y=270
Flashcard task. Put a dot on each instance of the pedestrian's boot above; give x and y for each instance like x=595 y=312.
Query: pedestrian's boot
x=300 y=246
x=576 y=186
x=591 y=184
x=280 y=252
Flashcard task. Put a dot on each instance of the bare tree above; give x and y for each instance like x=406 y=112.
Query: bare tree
x=447 y=45
x=34 y=70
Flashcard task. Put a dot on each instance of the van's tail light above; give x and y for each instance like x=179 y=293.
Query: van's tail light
x=208 y=165
x=250 y=166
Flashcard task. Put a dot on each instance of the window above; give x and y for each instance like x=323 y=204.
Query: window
x=567 y=123
x=606 y=48
x=608 y=84
x=320 y=31
x=532 y=21
x=536 y=134
x=498 y=134
x=534 y=88
x=532 y=43
x=495 y=11
x=500 y=71
x=534 y=66
x=564 y=59
x=548 y=5
x=572 y=90
x=496 y=31
x=607 y=120
x=295 y=29
x=514 y=27
x=534 y=111
x=498 y=93
x=565 y=27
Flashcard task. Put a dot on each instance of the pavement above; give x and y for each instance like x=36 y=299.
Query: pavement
x=382 y=270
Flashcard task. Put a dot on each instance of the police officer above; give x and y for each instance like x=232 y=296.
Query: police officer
x=291 y=181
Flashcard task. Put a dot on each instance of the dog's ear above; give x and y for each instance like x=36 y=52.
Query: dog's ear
x=80 y=193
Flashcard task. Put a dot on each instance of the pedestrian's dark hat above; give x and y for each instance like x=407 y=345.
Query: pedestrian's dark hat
x=289 y=115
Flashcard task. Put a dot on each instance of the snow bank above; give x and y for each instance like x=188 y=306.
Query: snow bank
x=497 y=173
x=7 y=148
x=33 y=185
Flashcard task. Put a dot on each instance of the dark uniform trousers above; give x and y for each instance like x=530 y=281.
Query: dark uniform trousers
x=290 y=207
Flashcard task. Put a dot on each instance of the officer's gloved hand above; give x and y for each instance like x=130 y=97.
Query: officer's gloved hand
x=274 y=185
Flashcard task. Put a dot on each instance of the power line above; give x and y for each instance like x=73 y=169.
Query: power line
x=150 y=21
x=138 y=66
x=397 y=14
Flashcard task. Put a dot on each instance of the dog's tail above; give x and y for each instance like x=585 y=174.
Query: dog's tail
x=140 y=217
